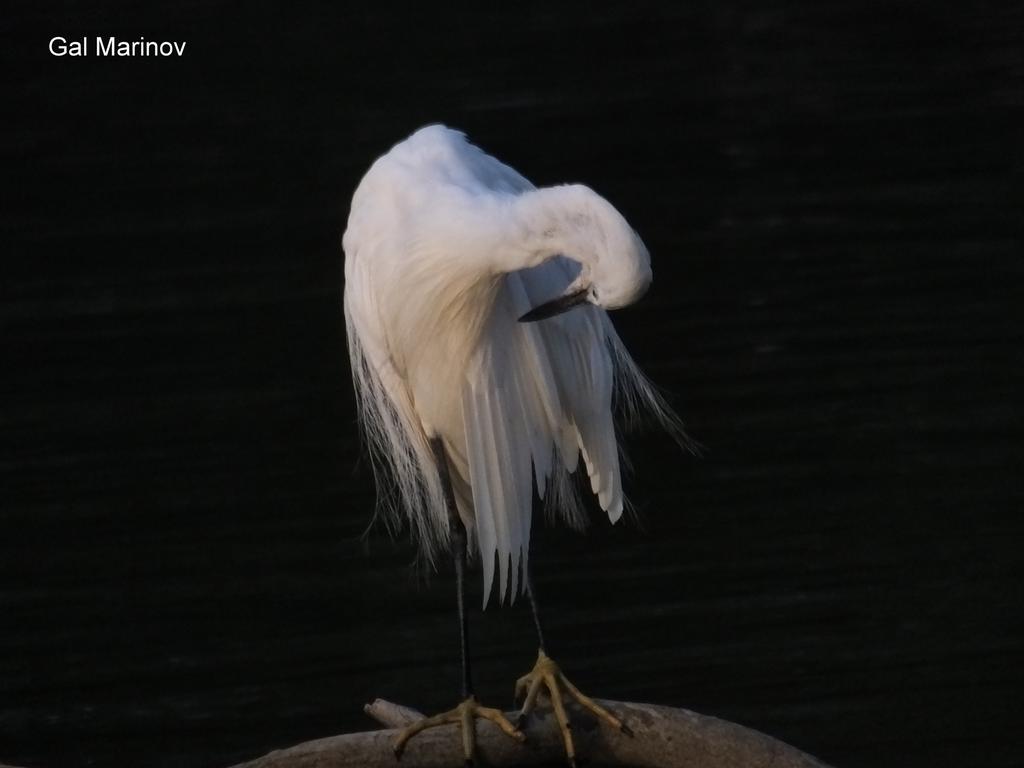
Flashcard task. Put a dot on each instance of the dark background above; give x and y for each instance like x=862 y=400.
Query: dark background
x=831 y=192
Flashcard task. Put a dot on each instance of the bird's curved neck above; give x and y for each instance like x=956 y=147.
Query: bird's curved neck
x=552 y=221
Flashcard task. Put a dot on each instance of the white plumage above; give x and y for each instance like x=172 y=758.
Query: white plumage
x=446 y=248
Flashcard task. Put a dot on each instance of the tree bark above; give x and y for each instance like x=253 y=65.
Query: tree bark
x=664 y=737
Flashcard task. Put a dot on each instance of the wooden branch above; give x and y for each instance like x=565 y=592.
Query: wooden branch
x=664 y=737
x=389 y=714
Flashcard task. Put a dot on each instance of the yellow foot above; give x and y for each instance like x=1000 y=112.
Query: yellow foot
x=547 y=675
x=463 y=715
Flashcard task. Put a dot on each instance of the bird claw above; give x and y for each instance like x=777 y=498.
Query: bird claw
x=548 y=676
x=464 y=716
x=522 y=685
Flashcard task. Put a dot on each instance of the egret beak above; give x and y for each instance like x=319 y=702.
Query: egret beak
x=555 y=306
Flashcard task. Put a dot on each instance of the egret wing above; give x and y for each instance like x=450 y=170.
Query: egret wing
x=535 y=401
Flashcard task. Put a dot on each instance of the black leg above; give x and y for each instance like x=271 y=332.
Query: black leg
x=534 y=608
x=459 y=544
x=459 y=556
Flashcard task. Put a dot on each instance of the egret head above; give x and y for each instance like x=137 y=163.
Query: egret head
x=615 y=267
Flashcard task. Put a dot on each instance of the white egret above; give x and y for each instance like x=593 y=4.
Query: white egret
x=484 y=365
